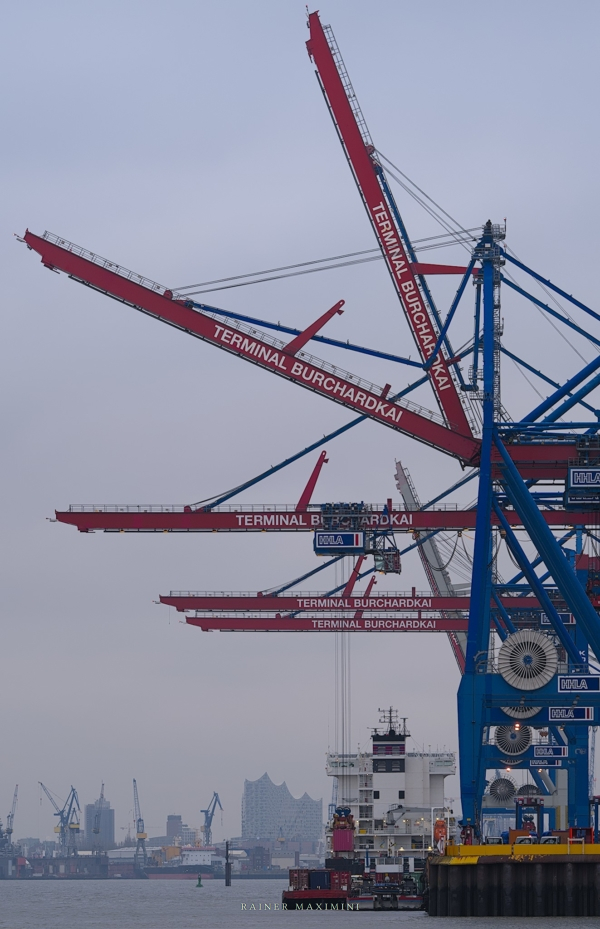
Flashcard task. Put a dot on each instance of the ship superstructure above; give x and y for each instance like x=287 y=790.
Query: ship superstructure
x=393 y=798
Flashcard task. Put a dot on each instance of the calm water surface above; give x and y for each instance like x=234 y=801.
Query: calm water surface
x=181 y=905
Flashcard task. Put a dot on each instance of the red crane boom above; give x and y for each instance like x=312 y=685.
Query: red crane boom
x=388 y=602
x=359 y=149
x=321 y=624
x=246 y=342
x=277 y=518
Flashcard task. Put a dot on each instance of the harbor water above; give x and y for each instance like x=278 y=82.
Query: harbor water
x=182 y=905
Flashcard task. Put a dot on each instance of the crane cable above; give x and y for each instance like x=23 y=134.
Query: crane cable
x=463 y=231
x=443 y=567
x=373 y=253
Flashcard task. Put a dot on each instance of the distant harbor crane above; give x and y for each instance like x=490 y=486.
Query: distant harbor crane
x=11 y=816
x=68 y=820
x=208 y=818
x=98 y=818
x=140 y=858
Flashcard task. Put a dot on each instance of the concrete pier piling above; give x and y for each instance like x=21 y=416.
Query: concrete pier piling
x=565 y=883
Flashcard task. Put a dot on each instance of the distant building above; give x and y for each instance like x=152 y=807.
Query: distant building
x=158 y=841
x=188 y=835
x=100 y=815
x=174 y=824
x=269 y=811
x=260 y=858
x=180 y=832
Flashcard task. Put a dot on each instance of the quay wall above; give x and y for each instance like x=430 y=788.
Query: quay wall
x=508 y=885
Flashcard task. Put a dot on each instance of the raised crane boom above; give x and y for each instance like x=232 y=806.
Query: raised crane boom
x=208 y=818
x=140 y=856
x=98 y=814
x=432 y=562
x=246 y=342
x=68 y=820
x=382 y=211
x=10 y=819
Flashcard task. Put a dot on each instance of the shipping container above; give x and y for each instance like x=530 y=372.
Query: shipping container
x=353 y=865
x=340 y=880
x=342 y=840
x=299 y=879
x=319 y=880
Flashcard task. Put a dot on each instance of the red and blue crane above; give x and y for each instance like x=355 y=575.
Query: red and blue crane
x=525 y=645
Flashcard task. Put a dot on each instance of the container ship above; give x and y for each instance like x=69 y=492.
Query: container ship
x=387 y=816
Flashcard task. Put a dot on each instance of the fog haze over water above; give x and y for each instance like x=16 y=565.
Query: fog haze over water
x=190 y=141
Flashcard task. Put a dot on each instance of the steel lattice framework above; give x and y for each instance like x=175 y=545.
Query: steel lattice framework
x=545 y=617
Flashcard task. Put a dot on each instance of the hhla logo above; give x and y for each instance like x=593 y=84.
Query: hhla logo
x=578 y=683
x=590 y=477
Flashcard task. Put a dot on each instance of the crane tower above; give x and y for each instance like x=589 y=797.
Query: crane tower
x=140 y=858
x=208 y=818
x=68 y=826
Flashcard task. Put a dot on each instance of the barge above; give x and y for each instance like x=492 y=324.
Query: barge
x=330 y=888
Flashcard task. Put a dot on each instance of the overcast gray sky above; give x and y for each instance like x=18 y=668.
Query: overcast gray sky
x=189 y=141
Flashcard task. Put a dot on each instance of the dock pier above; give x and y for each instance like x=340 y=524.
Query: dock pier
x=532 y=880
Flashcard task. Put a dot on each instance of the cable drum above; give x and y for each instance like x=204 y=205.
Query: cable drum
x=529 y=790
x=503 y=789
x=527 y=660
x=521 y=712
x=513 y=741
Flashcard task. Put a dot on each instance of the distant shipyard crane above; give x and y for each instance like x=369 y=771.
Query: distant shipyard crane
x=208 y=818
x=5 y=834
x=98 y=819
x=69 y=825
x=98 y=814
x=10 y=819
x=537 y=474
x=140 y=858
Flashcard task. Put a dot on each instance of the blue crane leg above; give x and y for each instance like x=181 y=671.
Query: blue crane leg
x=578 y=770
x=473 y=685
x=551 y=552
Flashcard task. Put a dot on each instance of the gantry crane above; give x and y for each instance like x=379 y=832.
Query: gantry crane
x=208 y=818
x=69 y=825
x=501 y=707
x=140 y=858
